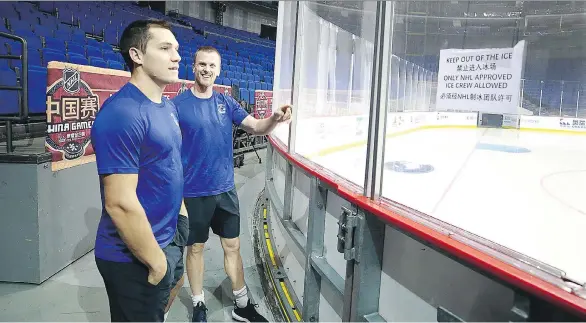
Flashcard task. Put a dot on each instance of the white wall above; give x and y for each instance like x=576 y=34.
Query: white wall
x=234 y=16
x=239 y=18
x=198 y=9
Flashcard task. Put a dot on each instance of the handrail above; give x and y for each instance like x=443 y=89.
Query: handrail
x=450 y=243
x=23 y=111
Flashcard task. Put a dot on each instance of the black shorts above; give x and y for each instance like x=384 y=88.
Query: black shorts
x=219 y=212
x=131 y=297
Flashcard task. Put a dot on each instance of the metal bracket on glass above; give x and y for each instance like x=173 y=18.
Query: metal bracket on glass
x=346 y=227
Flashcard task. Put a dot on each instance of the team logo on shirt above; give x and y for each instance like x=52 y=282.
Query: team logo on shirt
x=221 y=108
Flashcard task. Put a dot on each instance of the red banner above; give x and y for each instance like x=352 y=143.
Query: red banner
x=75 y=94
x=263 y=104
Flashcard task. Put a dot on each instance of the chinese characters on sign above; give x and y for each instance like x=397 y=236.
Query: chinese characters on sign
x=477 y=97
x=71 y=109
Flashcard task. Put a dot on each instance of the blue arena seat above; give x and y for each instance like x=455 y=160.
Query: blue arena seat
x=55 y=43
x=244 y=94
x=37 y=84
x=8 y=98
x=97 y=61
x=44 y=31
x=92 y=51
x=19 y=24
x=78 y=38
x=110 y=56
x=115 y=65
x=78 y=59
x=75 y=48
x=49 y=55
x=24 y=33
x=62 y=34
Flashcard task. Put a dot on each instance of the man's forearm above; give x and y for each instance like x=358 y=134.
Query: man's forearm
x=137 y=233
x=265 y=126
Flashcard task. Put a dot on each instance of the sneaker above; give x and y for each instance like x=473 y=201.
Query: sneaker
x=199 y=313
x=247 y=314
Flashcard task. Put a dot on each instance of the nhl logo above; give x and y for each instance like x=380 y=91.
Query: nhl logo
x=71 y=80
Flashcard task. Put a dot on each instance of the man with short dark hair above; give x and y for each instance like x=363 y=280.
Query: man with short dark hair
x=206 y=118
x=137 y=143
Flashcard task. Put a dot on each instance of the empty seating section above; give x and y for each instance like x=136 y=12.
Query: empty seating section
x=87 y=33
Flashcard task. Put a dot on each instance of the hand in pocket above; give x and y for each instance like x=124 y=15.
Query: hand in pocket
x=158 y=273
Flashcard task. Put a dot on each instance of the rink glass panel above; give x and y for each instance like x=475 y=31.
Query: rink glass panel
x=284 y=61
x=335 y=73
x=509 y=186
x=497 y=183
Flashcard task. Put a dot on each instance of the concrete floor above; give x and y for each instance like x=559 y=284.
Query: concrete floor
x=77 y=292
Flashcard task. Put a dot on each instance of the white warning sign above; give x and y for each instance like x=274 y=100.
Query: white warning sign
x=484 y=80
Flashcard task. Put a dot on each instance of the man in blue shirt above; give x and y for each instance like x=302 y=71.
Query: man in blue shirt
x=137 y=143
x=206 y=119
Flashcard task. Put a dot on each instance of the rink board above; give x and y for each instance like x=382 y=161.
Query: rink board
x=325 y=135
x=518 y=189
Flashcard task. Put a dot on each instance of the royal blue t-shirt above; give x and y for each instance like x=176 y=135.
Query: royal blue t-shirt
x=134 y=135
x=207 y=154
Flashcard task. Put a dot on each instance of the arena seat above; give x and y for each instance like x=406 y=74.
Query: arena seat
x=92 y=51
x=115 y=65
x=97 y=61
x=8 y=98
x=37 y=83
x=78 y=59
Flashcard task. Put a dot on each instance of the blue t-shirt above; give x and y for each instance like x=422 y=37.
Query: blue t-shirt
x=133 y=135
x=207 y=154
